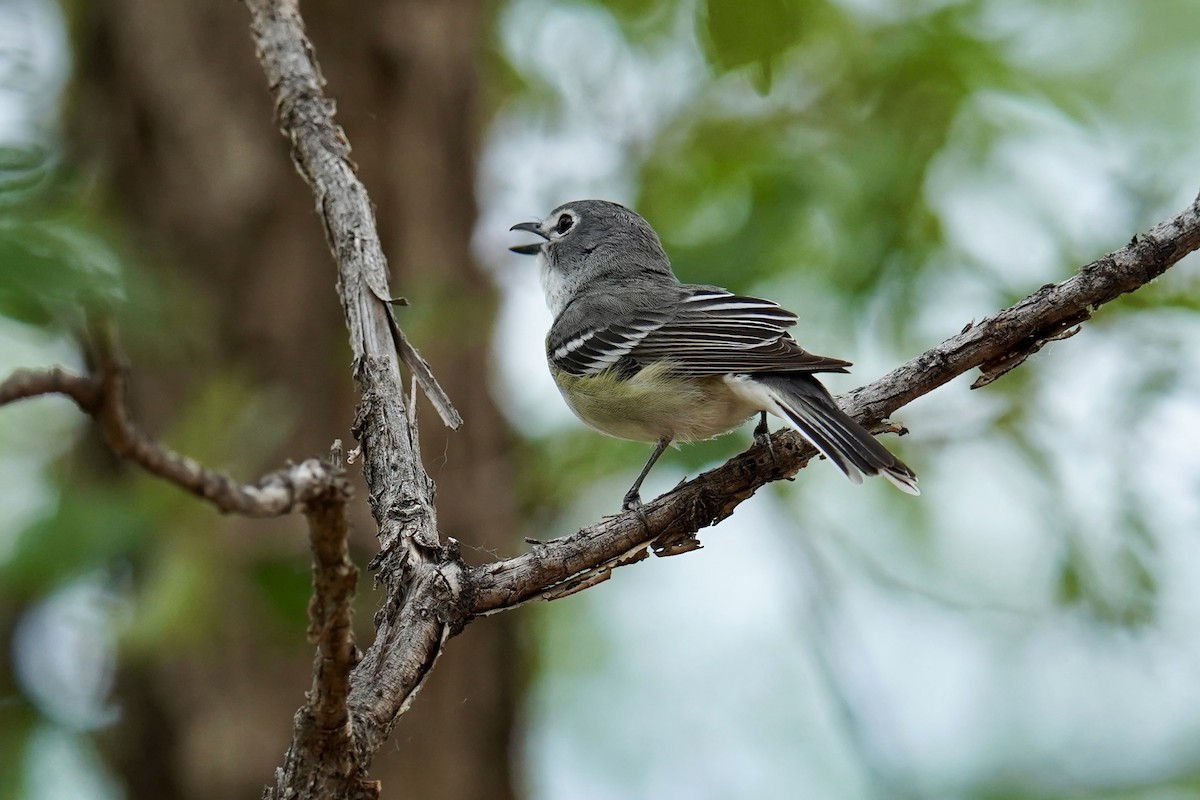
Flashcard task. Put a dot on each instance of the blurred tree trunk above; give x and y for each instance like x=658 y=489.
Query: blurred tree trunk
x=174 y=104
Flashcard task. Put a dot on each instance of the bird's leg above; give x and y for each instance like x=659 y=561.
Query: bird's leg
x=633 y=496
x=762 y=434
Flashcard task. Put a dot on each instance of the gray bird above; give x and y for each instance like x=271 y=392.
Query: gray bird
x=639 y=355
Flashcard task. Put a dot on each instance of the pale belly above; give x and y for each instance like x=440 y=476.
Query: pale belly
x=655 y=404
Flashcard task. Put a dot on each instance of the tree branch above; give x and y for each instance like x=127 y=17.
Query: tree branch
x=1005 y=339
x=320 y=756
x=424 y=579
x=103 y=396
x=322 y=732
x=330 y=613
x=27 y=383
x=996 y=345
x=322 y=155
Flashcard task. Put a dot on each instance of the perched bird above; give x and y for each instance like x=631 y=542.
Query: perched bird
x=639 y=355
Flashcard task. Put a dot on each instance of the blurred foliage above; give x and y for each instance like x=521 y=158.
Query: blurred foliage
x=153 y=549
x=892 y=171
x=817 y=180
x=53 y=262
x=756 y=35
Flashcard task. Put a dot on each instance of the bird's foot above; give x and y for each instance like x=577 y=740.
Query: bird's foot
x=762 y=435
x=633 y=502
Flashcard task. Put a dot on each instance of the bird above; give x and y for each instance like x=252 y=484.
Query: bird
x=637 y=354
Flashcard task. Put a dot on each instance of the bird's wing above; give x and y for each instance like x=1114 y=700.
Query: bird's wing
x=593 y=350
x=706 y=332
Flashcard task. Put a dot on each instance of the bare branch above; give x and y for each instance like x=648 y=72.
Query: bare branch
x=26 y=383
x=424 y=579
x=323 y=733
x=103 y=396
x=322 y=156
x=996 y=345
x=1015 y=333
x=330 y=612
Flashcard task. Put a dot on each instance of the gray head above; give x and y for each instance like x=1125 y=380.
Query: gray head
x=594 y=245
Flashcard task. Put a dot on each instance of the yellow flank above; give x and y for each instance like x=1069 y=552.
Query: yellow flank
x=654 y=403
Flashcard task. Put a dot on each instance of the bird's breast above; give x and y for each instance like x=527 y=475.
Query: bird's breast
x=654 y=403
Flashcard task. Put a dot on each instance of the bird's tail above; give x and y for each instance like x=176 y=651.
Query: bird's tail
x=804 y=402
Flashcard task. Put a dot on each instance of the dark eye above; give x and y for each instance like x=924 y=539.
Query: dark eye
x=564 y=224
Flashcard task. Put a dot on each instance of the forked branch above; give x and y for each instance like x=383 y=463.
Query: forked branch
x=103 y=396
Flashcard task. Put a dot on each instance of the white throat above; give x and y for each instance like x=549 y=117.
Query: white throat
x=558 y=288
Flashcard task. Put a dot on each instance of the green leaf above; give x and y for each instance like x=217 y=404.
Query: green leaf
x=52 y=269
x=736 y=33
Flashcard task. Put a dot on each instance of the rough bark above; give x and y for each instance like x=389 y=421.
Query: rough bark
x=414 y=131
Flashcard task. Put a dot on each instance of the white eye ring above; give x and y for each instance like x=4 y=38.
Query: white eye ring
x=564 y=223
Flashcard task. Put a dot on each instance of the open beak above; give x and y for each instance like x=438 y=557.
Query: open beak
x=529 y=249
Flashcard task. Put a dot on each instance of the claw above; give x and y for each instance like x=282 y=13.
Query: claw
x=633 y=498
x=633 y=502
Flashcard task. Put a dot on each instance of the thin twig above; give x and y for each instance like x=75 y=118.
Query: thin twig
x=27 y=383
x=330 y=612
x=104 y=397
x=323 y=723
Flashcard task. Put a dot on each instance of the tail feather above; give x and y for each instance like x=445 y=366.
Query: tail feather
x=817 y=430
x=804 y=402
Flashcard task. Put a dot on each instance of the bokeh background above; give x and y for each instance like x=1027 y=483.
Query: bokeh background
x=889 y=170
